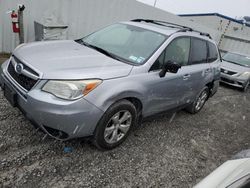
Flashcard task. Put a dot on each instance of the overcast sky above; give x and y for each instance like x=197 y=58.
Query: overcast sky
x=230 y=8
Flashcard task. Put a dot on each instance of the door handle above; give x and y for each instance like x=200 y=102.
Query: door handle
x=186 y=76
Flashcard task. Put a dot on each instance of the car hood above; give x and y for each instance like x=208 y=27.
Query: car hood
x=234 y=67
x=69 y=60
x=226 y=174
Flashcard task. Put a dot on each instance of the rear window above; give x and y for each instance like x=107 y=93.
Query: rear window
x=213 y=54
x=199 y=51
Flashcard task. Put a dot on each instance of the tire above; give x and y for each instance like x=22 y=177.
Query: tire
x=115 y=125
x=202 y=97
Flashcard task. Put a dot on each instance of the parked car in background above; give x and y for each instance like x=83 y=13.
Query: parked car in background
x=103 y=84
x=234 y=173
x=235 y=70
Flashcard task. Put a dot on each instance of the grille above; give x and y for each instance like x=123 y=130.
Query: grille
x=26 y=67
x=227 y=80
x=26 y=82
x=228 y=72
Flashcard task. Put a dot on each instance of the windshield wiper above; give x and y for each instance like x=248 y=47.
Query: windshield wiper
x=105 y=52
x=235 y=63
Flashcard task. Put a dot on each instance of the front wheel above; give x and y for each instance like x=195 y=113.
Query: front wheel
x=115 y=125
x=199 y=102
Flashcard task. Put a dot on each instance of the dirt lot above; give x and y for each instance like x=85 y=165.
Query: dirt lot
x=161 y=153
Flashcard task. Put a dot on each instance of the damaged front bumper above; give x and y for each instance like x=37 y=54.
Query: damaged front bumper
x=58 y=118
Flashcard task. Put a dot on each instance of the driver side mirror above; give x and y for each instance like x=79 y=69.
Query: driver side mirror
x=169 y=66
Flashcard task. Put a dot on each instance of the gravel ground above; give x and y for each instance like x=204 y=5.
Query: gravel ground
x=171 y=150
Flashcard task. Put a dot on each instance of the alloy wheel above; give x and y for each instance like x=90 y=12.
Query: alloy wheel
x=118 y=126
x=201 y=100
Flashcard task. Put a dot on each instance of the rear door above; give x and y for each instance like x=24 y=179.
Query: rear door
x=199 y=69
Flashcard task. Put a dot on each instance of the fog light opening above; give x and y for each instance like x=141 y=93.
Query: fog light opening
x=239 y=83
x=56 y=133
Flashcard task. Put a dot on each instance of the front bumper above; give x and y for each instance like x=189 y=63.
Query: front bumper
x=71 y=119
x=233 y=81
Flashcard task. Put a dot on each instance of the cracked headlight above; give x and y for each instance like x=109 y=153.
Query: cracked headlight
x=70 y=90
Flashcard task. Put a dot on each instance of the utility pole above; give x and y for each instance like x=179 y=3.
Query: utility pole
x=155 y=3
x=20 y=21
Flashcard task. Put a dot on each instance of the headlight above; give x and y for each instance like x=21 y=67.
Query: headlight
x=70 y=90
x=245 y=74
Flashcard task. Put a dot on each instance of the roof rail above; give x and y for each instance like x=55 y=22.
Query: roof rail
x=172 y=25
x=192 y=30
x=159 y=23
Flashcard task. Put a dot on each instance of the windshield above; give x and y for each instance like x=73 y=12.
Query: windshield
x=130 y=43
x=237 y=59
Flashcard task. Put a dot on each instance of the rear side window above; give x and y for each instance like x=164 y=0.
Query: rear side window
x=212 y=52
x=199 y=51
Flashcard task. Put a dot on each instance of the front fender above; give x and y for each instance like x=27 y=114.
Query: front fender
x=111 y=91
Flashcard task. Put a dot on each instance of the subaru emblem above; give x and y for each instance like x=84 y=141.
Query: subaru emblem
x=19 y=68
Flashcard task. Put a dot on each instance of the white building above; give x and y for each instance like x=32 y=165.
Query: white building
x=84 y=16
x=81 y=16
x=235 y=34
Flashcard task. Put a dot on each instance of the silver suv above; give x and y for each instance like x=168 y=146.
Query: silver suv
x=103 y=84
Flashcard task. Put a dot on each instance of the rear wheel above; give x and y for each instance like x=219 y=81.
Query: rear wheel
x=199 y=102
x=115 y=125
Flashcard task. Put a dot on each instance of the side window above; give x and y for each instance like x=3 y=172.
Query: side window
x=177 y=51
x=198 y=52
x=213 y=54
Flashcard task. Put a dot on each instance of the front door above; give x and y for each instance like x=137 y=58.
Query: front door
x=170 y=91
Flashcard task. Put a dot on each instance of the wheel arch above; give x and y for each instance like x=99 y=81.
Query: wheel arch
x=132 y=97
x=136 y=102
x=213 y=87
x=210 y=86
